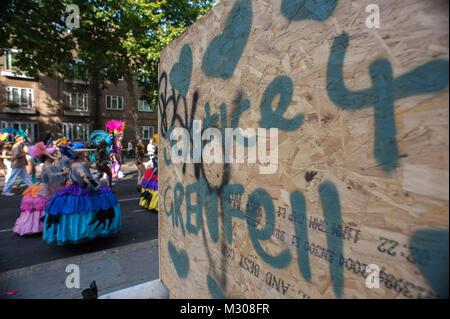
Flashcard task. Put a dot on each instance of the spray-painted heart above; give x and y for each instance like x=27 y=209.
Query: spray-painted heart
x=308 y=9
x=430 y=251
x=181 y=72
x=214 y=289
x=180 y=260
x=225 y=50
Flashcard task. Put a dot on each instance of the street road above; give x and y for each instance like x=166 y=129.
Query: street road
x=138 y=225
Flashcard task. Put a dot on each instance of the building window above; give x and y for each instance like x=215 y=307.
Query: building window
x=76 y=131
x=144 y=106
x=21 y=96
x=77 y=101
x=9 y=60
x=114 y=102
x=147 y=132
x=32 y=128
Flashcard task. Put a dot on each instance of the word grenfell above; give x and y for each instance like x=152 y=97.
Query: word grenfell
x=220 y=149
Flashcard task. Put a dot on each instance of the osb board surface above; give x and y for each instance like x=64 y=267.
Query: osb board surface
x=392 y=207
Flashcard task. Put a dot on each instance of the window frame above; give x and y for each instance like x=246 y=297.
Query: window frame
x=142 y=109
x=150 y=129
x=111 y=98
x=70 y=99
x=30 y=96
x=69 y=130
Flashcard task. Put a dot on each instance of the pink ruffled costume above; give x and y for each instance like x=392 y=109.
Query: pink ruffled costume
x=35 y=199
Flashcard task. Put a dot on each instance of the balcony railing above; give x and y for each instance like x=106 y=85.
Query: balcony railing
x=17 y=74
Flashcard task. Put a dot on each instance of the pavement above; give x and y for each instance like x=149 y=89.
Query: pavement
x=113 y=270
x=125 y=265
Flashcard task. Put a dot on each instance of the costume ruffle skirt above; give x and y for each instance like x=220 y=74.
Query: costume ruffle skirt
x=32 y=211
x=75 y=214
x=149 y=191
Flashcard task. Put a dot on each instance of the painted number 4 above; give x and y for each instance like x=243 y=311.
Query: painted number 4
x=373 y=279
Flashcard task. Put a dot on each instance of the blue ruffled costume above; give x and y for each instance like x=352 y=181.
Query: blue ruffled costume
x=78 y=213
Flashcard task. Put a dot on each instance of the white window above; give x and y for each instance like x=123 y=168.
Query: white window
x=9 y=60
x=31 y=127
x=143 y=106
x=114 y=102
x=77 y=101
x=76 y=131
x=147 y=132
x=21 y=96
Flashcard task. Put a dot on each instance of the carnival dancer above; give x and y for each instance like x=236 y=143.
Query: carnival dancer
x=82 y=211
x=37 y=196
x=103 y=162
x=115 y=130
x=5 y=156
x=102 y=157
x=152 y=144
x=149 y=187
x=140 y=154
x=65 y=154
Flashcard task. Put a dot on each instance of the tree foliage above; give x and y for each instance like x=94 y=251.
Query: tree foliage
x=116 y=38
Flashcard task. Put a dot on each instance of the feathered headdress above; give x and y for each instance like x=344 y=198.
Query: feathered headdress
x=16 y=132
x=115 y=127
x=4 y=136
x=97 y=136
x=62 y=141
x=115 y=130
x=77 y=145
x=37 y=149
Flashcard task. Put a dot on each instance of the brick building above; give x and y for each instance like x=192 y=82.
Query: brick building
x=53 y=105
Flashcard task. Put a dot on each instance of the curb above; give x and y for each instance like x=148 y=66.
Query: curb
x=154 y=289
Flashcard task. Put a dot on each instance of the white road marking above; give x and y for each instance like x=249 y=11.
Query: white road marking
x=127 y=199
x=139 y=210
x=5 y=230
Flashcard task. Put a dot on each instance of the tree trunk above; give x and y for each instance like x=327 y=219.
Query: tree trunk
x=96 y=109
x=133 y=100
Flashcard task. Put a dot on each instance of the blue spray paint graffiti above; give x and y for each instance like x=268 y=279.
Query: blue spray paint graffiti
x=430 y=249
x=332 y=211
x=257 y=198
x=308 y=9
x=180 y=75
x=427 y=78
x=225 y=50
x=282 y=85
x=214 y=289
x=180 y=260
x=220 y=60
x=298 y=205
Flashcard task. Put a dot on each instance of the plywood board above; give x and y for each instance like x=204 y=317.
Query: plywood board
x=362 y=116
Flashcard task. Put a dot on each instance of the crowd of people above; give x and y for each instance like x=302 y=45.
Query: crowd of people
x=68 y=203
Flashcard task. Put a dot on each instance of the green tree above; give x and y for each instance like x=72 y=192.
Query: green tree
x=116 y=38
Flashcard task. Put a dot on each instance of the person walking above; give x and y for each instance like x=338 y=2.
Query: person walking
x=130 y=149
x=140 y=154
x=18 y=164
x=5 y=159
